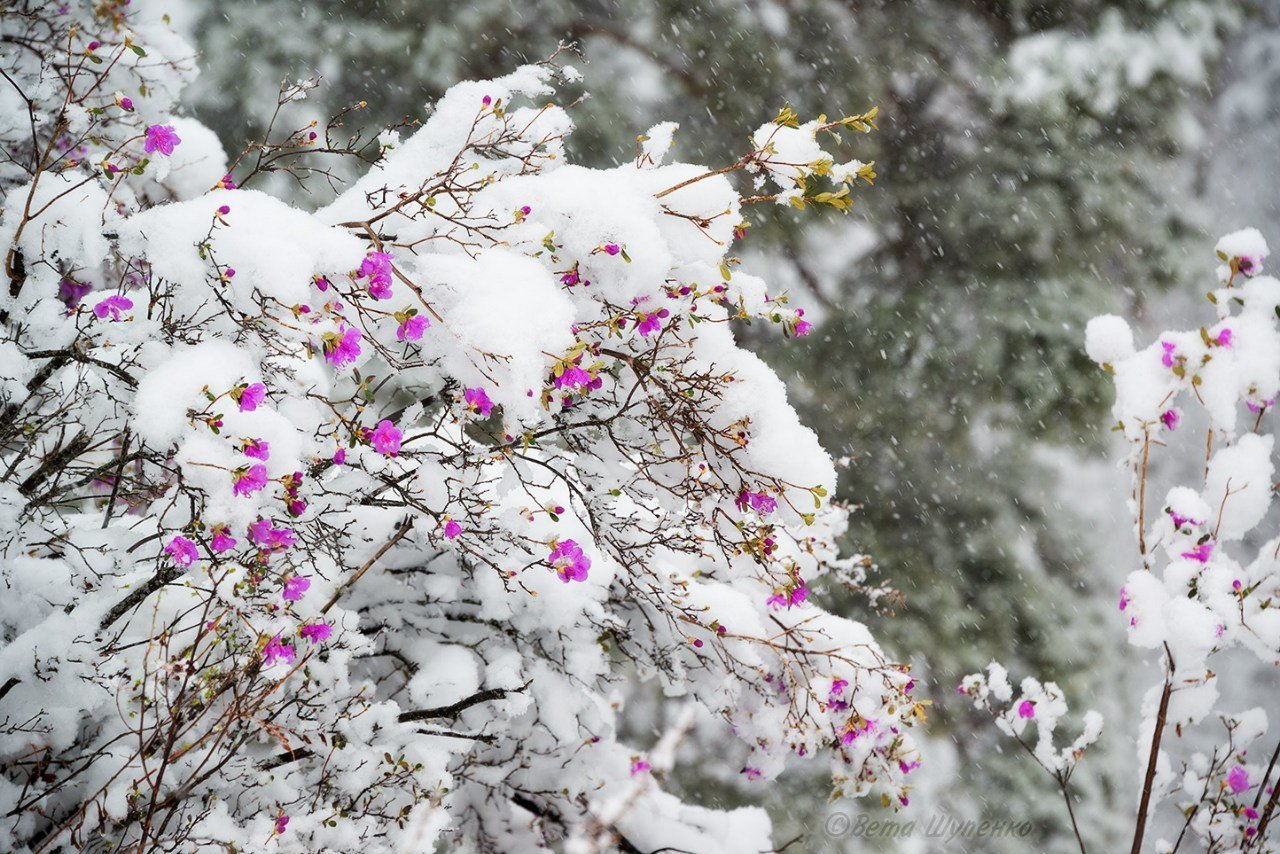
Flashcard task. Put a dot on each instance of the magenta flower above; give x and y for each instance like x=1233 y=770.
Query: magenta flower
x=277 y=651
x=1171 y=418
x=570 y=278
x=259 y=449
x=1238 y=780
x=125 y=103
x=799 y=594
x=1026 y=709
x=71 y=292
x=376 y=267
x=1224 y=338
x=342 y=348
x=270 y=539
x=777 y=601
x=295 y=588
x=222 y=540
x=651 y=323
x=752 y=773
x=803 y=327
x=412 y=328
x=386 y=439
x=283 y=821
x=639 y=766
x=573 y=377
x=758 y=501
x=250 y=480
x=161 y=138
x=317 y=632
x=182 y=551
x=452 y=529
x=1201 y=552
x=1258 y=407
x=340 y=457
x=569 y=562
x=1248 y=266
x=1170 y=350
x=251 y=397
x=1124 y=598
x=478 y=401
x=612 y=248
x=1180 y=521
x=113 y=306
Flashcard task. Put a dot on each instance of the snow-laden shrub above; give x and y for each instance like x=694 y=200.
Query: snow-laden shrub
x=1208 y=580
x=339 y=530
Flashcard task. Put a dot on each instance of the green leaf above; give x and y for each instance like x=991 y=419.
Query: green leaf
x=139 y=51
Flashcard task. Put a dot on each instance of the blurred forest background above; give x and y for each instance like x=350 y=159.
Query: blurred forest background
x=1039 y=163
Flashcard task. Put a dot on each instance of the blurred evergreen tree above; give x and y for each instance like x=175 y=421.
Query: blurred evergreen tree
x=1025 y=185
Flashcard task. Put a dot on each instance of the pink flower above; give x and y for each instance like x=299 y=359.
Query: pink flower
x=376 y=267
x=222 y=540
x=752 y=773
x=1224 y=338
x=295 y=588
x=251 y=397
x=1171 y=417
x=570 y=278
x=758 y=501
x=1124 y=598
x=270 y=539
x=803 y=327
x=452 y=529
x=1026 y=709
x=113 y=306
x=277 y=651
x=573 y=377
x=342 y=348
x=71 y=292
x=182 y=551
x=340 y=457
x=639 y=766
x=125 y=103
x=161 y=138
x=1201 y=552
x=1248 y=266
x=259 y=449
x=651 y=323
x=776 y=601
x=799 y=594
x=478 y=401
x=317 y=632
x=1238 y=780
x=612 y=248
x=1169 y=350
x=283 y=821
x=250 y=480
x=386 y=439
x=412 y=328
x=1180 y=521
x=569 y=562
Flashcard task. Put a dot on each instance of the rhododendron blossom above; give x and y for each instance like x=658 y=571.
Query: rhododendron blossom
x=429 y=566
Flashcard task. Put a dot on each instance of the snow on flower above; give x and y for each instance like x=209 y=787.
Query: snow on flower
x=250 y=397
x=1238 y=780
x=182 y=551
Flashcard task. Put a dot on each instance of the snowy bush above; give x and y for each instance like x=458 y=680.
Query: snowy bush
x=339 y=530
x=1207 y=582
